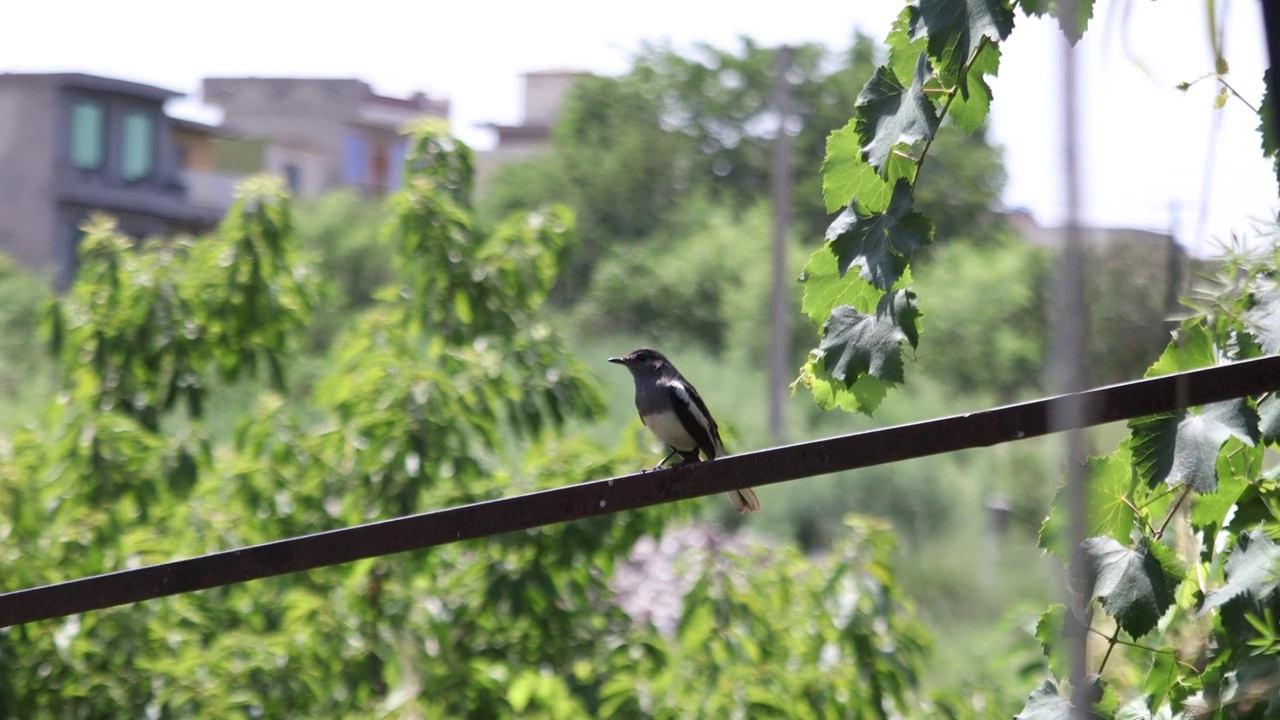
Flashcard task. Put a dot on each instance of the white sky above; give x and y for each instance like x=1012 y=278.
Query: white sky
x=1147 y=147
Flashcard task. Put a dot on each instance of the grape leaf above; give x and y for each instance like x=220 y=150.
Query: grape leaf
x=847 y=176
x=1263 y=319
x=1208 y=510
x=825 y=289
x=854 y=344
x=970 y=109
x=1269 y=418
x=1253 y=569
x=887 y=114
x=1270 y=145
x=1266 y=129
x=1110 y=512
x=1074 y=26
x=1045 y=704
x=1182 y=448
x=1134 y=586
x=1190 y=348
x=1162 y=676
x=864 y=397
x=956 y=29
x=905 y=46
x=1050 y=631
x=1136 y=709
x=881 y=244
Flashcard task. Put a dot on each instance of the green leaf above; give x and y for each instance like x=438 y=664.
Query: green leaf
x=1190 y=348
x=1162 y=676
x=956 y=28
x=1266 y=129
x=1263 y=318
x=1135 y=586
x=1050 y=631
x=854 y=344
x=864 y=397
x=905 y=46
x=888 y=114
x=969 y=111
x=1045 y=704
x=1111 y=514
x=1269 y=418
x=846 y=176
x=1253 y=569
x=825 y=289
x=1135 y=709
x=1182 y=448
x=881 y=244
x=1208 y=510
x=1073 y=26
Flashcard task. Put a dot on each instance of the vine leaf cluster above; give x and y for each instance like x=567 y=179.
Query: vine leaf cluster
x=941 y=53
x=1182 y=521
x=1181 y=556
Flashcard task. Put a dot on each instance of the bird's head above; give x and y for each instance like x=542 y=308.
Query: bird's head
x=643 y=360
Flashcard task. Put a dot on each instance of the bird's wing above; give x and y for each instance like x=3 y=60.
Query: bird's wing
x=696 y=418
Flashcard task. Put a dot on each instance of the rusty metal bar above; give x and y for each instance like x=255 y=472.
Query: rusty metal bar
x=600 y=497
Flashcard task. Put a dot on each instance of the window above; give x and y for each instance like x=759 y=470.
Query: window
x=355 y=155
x=293 y=177
x=88 y=121
x=139 y=154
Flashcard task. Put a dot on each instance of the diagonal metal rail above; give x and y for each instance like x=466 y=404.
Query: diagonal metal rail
x=765 y=467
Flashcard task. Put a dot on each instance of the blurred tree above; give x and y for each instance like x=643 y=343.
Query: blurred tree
x=445 y=390
x=630 y=152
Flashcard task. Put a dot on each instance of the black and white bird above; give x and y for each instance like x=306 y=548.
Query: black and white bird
x=672 y=409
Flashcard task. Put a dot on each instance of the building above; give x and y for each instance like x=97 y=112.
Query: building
x=322 y=134
x=71 y=144
x=545 y=93
x=214 y=160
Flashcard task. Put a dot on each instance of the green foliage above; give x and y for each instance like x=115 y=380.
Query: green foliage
x=895 y=123
x=634 y=155
x=24 y=374
x=987 y=322
x=446 y=388
x=341 y=236
x=1202 y=588
x=145 y=326
x=880 y=244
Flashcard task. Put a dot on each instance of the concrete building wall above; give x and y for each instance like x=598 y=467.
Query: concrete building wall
x=129 y=165
x=309 y=113
x=545 y=93
x=335 y=124
x=28 y=127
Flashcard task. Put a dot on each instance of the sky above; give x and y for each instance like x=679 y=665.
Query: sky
x=1152 y=157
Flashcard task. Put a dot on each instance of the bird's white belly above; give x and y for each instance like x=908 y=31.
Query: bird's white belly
x=670 y=430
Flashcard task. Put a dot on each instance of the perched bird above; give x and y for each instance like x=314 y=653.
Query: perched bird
x=673 y=410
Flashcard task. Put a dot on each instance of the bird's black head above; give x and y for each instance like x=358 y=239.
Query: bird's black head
x=642 y=359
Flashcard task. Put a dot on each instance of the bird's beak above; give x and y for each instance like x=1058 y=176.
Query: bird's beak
x=619 y=360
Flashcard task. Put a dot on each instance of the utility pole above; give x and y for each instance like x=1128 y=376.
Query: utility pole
x=780 y=306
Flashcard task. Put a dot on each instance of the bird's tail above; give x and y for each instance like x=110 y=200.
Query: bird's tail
x=744 y=500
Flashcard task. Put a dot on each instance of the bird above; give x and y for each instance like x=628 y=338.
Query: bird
x=674 y=411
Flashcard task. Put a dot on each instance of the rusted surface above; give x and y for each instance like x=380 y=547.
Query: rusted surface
x=602 y=497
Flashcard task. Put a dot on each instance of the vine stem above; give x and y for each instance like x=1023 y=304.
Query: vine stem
x=1111 y=645
x=1186 y=490
x=1139 y=646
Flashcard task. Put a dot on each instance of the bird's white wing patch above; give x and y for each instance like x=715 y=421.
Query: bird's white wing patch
x=683 y=393
x=695 y=409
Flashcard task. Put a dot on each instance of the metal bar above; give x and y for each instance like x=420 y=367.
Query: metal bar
x=600 y=497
